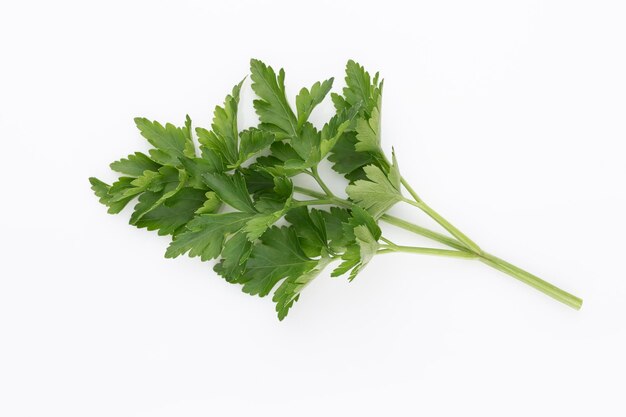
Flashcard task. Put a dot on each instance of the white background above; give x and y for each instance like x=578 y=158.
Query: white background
x=507 y=117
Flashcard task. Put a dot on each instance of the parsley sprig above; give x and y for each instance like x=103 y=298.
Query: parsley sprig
x=236 y=196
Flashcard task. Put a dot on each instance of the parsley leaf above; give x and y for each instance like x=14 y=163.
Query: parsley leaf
x=231 y=189
x=346 y=160
x=307 y=99
x=365 y=233
x=174 y=213
x=277 y=256
x=223 y=138
x=134 y=165
x=379 y=191
x=170 y=142
x=110 y=198
x=234 y=256
x=360 y=90
x=272 y=106
x=205 y=234
x=252 y=141
x=310 y=227
x=289 y=290
x=368 y=133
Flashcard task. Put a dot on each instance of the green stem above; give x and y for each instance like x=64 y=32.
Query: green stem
x=422 y=231
x=410 y=190
x=311 y=193
x=440 y=219
x=387 y=241
x=428 y=251
x=450 y=228
x=318 y=202
x=532 y=280
x=321 y=182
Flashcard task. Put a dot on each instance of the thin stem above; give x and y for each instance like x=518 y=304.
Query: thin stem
x=321 y=182
x=428 y=251
x=422 y=231
x=410 y=190
x=311 y=193
x=383 y=251
x=318 y=202
x=450 y=228
x=387 y=241
x=469 y=243
x=532 y=280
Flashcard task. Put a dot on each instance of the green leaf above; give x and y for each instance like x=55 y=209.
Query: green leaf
x=258 y=224
x=283 y=160
x=351 y=258
x=307 y=145
x=111 y=198
x=299 y=154
x=364 y=233
x=272 y=203
x=283 y=187
x=361 y=217
x=277 y=256
x=211 y=205
x=171 y=142
x=310 y=228
x=357 y=256
x=346 y=160
x=171 y=181
x=284 y=152
x=101 y=190
x=336 y=127
x=360 y=89
x=214 y=162
x=205 y=234
x=252 y=141
x=379 y=191
x=368 y=246
x=271 y=192
x=275 y=166
x=276 y=198
x=196 y=167
x=368 y=133
x=307 y=100
x=231 y=189
x=223 y=139
x=148 y=181
x=272 y=106
x=134 y=165
x=234 y=256
x=258 y=179
x=321 y=232
x=339 y=102
x=334 y=221
x=173 y=213
x=289 y=290
x=189 y=137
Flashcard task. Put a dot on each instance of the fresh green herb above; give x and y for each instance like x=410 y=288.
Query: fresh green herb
x=227 y=198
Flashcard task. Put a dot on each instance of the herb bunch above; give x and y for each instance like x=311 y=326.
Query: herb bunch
x=223 y=199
